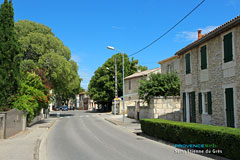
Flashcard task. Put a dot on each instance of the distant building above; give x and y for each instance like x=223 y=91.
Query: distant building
x=132 y=84
x=84 y=102
x=170 y=65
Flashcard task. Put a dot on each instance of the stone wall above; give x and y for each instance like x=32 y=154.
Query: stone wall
x=159 y=107
x=131 y=111
x=215 y=78
x=12 y=122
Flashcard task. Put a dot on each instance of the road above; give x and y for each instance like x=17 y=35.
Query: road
x=79 y=135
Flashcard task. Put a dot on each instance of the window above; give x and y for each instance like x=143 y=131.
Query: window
x=228 y=48
x=129 y=84
x=188 y=67
x=204 y=57
x=205 y=109
x=170 y=68
x=205 y=103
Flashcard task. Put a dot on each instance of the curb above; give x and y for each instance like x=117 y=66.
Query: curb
x=40 y=140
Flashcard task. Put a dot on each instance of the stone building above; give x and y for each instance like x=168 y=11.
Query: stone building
x=170 y=65
x=132 y=85
x=85 y=103
x=131 y=88
x=210 y=77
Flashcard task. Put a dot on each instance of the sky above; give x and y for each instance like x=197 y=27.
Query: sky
x=87 y=27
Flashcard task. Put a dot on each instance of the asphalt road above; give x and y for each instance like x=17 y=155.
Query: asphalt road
x=79 y=135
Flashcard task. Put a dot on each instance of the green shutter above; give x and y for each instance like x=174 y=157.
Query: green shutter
x=188 y=66
x=228 y=50
x=209 y=102
x=184 y=107
x=200 y=102
x=193 y=108
x=229 y=107
x=204 y=57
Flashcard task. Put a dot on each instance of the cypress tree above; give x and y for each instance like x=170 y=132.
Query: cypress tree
x=9 y=55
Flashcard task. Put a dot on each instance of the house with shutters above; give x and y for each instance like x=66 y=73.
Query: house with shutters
x=170 y=65
x=210 y=77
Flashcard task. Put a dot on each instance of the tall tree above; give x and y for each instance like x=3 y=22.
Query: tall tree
x=9 y=54
x=47 y=56
x=101 y=86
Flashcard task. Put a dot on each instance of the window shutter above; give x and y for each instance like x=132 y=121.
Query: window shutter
x=209 y=100
x=184 y=107
x=228 y=51
x=229 y=107
x=188 y=67
x=204 y=57
x=193 y=107
x=200 y=102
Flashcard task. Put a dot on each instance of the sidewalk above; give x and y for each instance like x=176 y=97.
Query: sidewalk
x=25 y=145
x=130 y=124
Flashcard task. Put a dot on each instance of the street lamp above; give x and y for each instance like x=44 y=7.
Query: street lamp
x=112 y=48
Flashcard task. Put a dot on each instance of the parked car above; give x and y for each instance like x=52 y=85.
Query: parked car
x=64 y=108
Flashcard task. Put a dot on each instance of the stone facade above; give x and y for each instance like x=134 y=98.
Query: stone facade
x=170 y=65
x=214 y=79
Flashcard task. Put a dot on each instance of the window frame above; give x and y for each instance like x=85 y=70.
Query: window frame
x=186 y=63
x=201 y=62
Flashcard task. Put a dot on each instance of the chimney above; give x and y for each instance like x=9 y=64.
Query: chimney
x=199 y=34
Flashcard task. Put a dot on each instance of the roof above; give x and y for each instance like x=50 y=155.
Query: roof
x=226 y=26
x=83 y=93
x=141 y=74
x=168 y=59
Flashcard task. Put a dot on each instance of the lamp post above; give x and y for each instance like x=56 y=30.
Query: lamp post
x=112 y=48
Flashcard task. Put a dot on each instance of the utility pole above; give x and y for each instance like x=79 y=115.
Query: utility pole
x=116 y=90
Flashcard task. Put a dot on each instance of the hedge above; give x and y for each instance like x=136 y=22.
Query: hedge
x=225 y=138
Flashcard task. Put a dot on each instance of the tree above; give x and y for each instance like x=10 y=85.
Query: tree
x=9 y=55
x=159 y=85
x=101 y=86
x=36 y=40
x=62 y=74
x=47 y=56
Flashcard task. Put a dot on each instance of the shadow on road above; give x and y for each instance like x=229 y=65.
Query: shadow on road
x=60 y=115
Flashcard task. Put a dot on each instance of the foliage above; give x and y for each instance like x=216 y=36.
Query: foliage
x=32 y=95
x=226 y=139
x=47 y=56
x=27 y=104
x=36 y=40
x=101 y=86
x=159 y=85
x=62 y=74
x=9 y=54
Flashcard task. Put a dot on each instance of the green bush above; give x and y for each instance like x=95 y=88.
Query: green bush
x=32 y=95
x=159 y=85
x=225 y=138
x=26 y=104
